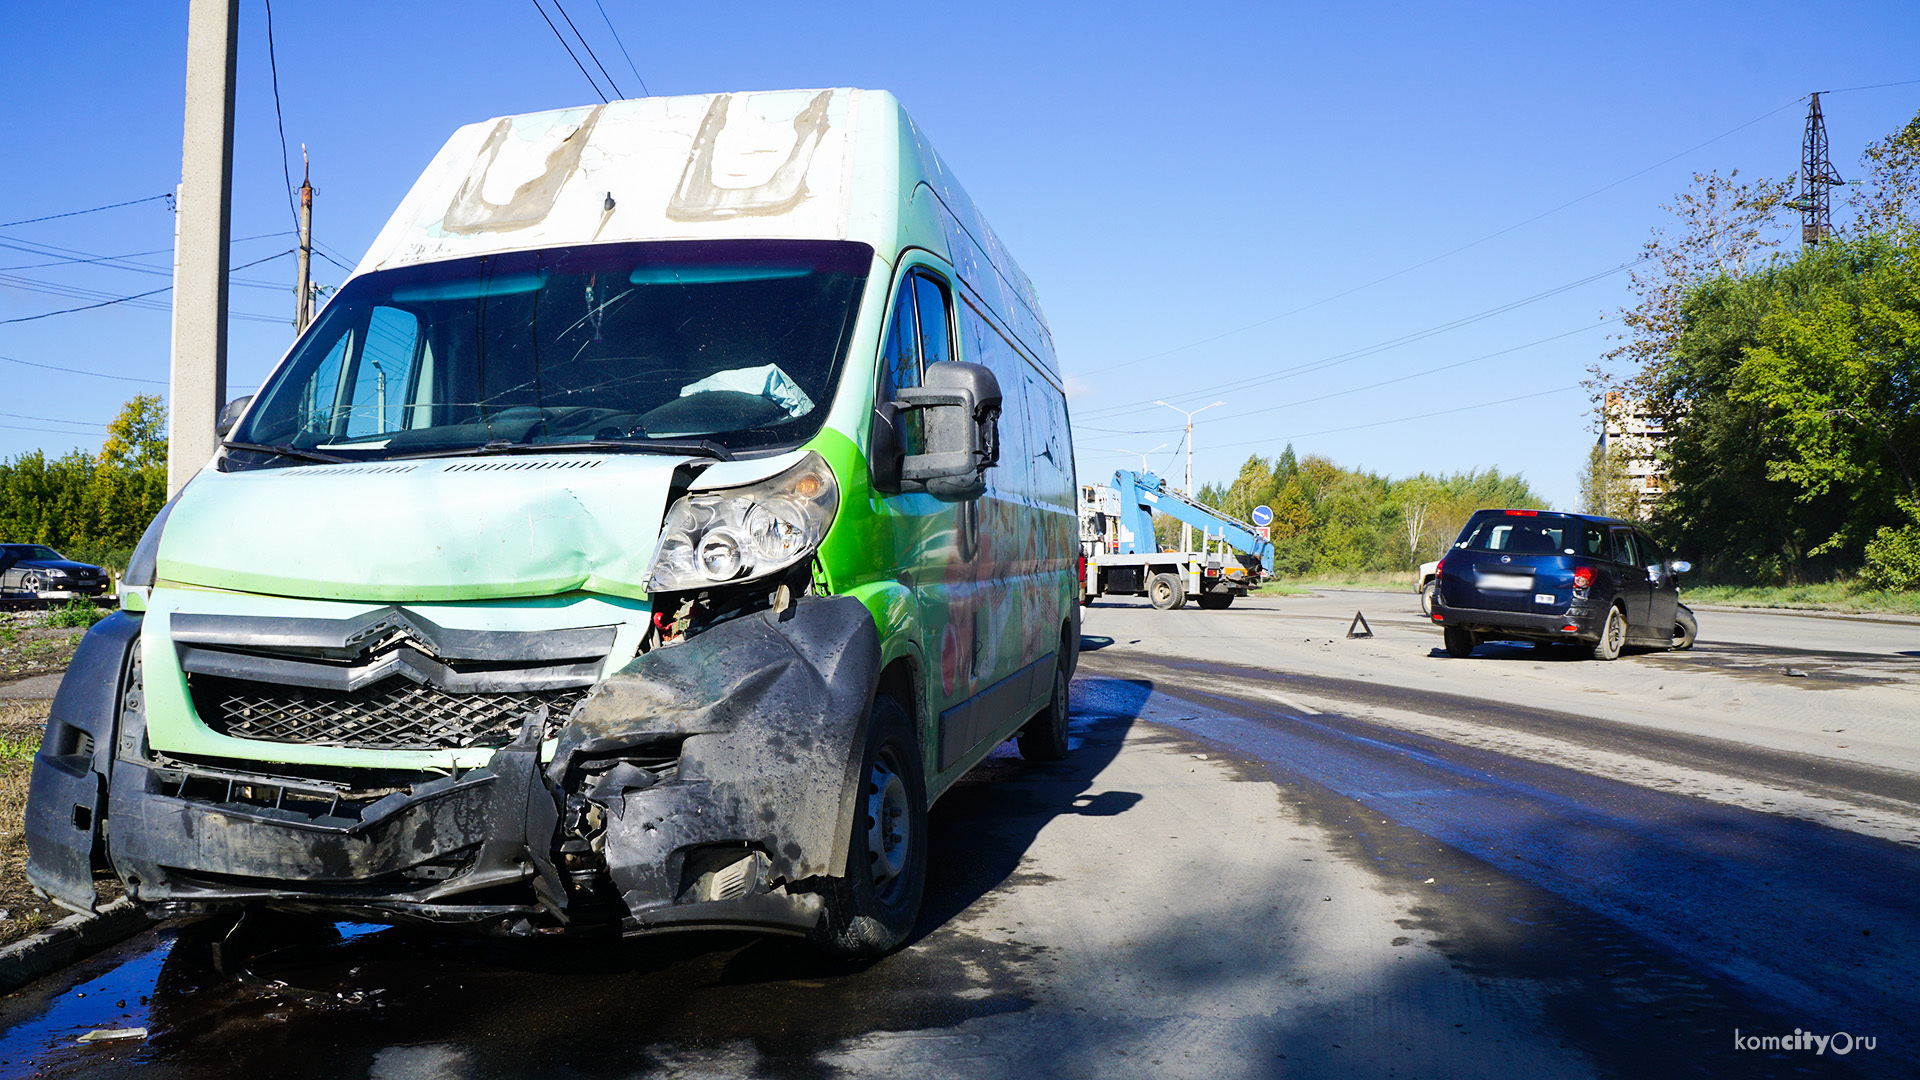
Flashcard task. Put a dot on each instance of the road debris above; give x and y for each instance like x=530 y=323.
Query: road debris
x=110 y=1034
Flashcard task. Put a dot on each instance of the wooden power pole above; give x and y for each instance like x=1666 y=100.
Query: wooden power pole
x=198 y=383
x=303 y=305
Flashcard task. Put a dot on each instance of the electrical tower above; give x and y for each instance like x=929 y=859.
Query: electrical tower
x=1816 y=176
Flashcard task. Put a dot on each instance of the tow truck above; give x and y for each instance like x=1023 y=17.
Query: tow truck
x=1122 y=557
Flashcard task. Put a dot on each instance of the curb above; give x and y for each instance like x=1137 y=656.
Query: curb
x=68 y=940
x=1888 y=617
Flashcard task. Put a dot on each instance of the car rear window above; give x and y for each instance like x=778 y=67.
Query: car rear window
x=1534 y=534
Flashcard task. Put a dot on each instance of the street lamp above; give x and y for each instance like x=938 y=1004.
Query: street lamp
x=1143 y=455
x=1186 y=531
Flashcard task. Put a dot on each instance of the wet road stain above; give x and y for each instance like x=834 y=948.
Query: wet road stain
x=327 y=1000
x=1626 y=1002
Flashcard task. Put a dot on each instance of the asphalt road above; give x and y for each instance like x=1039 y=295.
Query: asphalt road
x=1276 y=851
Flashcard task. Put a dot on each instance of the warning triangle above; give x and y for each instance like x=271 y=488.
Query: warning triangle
x=1359 y=627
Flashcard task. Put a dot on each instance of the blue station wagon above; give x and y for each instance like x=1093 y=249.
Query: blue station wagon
x=1533 y=575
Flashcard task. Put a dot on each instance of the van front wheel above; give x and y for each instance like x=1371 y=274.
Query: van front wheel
x=870 y=911
x=1167 y=592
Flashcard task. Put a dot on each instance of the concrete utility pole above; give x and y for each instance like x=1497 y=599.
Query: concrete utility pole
x=198 y=385
x=303 y=306
x=1186 y=530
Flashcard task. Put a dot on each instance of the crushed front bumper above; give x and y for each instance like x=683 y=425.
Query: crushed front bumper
x=707 y=783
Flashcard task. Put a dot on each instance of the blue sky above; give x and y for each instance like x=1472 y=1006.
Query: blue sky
x=1203 y=195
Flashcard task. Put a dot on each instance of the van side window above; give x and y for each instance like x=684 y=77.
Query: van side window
x=1596 y=542
x=936 y=336
x=900 y=366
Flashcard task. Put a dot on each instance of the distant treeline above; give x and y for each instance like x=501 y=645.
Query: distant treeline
x=1329 y=520
x=91 y=507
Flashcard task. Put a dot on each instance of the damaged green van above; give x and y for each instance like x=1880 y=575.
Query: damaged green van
x=677 y=499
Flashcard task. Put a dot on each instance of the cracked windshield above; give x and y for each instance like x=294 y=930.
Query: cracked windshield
x=735 y=342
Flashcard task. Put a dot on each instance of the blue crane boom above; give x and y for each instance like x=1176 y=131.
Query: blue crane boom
x=1141 y=493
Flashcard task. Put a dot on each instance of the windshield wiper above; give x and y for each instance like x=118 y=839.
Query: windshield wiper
x=702 y=447
x=286 y=451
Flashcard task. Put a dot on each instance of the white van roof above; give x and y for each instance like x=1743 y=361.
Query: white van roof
x=802 y=164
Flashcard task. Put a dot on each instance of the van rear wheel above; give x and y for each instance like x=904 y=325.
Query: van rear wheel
x=1044 y=738
x=1167 y=592
x=1214 y=601
x=871 y=910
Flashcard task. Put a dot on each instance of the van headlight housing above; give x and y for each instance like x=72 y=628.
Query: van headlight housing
x=739 y=534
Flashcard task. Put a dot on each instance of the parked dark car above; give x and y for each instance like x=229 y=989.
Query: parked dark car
x=1539 y=576
x=37 y=572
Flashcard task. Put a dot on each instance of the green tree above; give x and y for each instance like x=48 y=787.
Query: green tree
x=1839 y=377
x=1605 y=486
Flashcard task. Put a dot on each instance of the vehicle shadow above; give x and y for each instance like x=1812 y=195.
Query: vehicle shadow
x=1521 y=650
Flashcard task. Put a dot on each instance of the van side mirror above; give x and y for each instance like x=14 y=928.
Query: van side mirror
x=961 y=406
x=1679 y=566
x=230 y=415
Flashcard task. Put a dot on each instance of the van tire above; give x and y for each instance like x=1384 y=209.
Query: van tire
x=1429 y=595
x=1613 y=636
x=1044 y=738
x=1214 y=601
x=1459 y=641
x=870 y=911
x=1167 y=592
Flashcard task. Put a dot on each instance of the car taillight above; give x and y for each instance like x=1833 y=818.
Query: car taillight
x=1439 y=566
x=1083 y=569
x=1583 y=577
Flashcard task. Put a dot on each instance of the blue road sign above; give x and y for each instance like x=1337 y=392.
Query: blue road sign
x=1263 y=515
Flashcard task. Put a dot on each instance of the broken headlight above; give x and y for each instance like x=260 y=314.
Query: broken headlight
x=742 y=533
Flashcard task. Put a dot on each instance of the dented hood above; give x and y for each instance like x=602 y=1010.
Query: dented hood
x=460 y=529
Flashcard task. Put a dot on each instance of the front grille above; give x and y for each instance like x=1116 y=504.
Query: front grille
x=395 y=714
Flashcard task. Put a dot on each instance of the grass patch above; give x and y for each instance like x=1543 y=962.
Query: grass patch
x=21 y=912
x=1850 y=596
x=1385 y=581
x=80 y=613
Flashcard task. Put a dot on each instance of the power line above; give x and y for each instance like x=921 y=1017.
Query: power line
x=126 y=299
x=77 y=371
x=91 y=210
x=273 y=66
x=49 y=431
x=53 y=420
x=557 y=6
x=1461 y=248
x=112 y=263
x=1369 y=350
x=72 y=257
x=623 y=48
x=1875 y=86
x=1418 y=374
x=1399 y=419
x=569 y=48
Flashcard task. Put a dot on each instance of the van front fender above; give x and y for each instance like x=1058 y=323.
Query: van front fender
x=770 y=713
x=66 y=796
